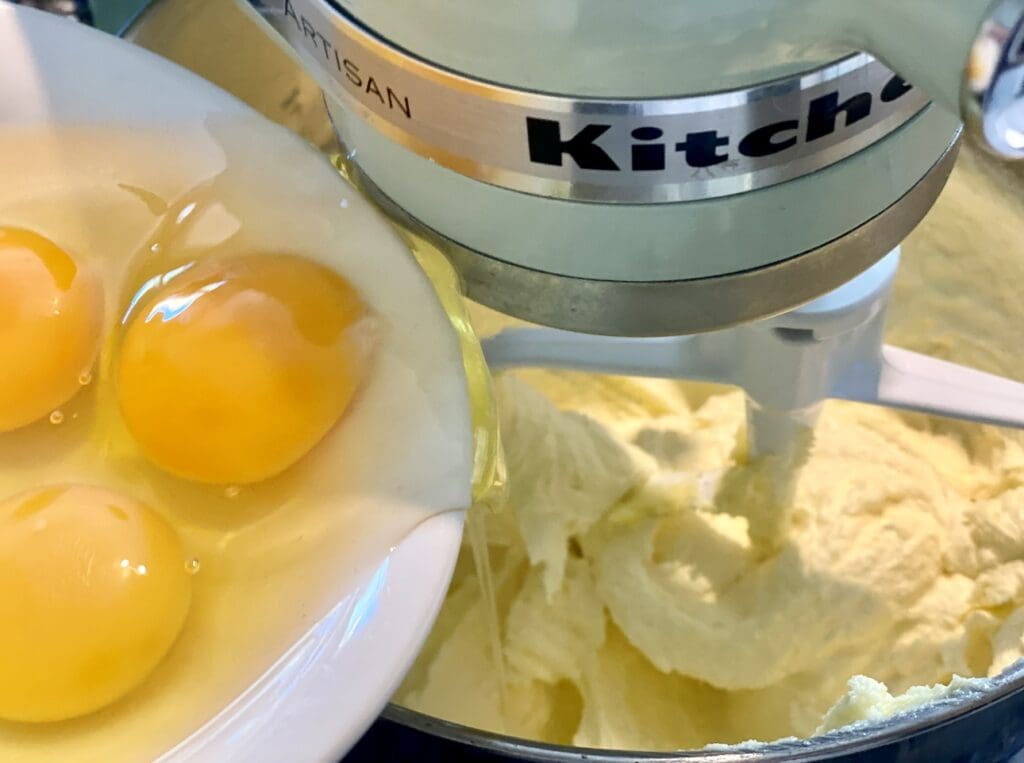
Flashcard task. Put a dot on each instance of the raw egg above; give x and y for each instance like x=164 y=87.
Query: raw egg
x=51 y=311
x=93 y=591
x=276 y=399
x=234 y=370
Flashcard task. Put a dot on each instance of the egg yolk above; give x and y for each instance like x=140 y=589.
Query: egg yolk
x=93 y=592
x=50 y=321
x=236 y=369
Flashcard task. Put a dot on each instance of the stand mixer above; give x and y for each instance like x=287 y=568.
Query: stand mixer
x=715 y=195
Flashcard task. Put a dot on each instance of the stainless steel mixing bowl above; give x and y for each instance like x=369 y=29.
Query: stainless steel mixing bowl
x=216 y=40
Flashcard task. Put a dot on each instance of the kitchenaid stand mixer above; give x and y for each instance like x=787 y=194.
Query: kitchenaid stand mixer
x=986 y=726
x=792 y=169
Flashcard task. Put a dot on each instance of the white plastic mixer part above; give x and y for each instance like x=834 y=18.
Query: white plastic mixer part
x=788 y=365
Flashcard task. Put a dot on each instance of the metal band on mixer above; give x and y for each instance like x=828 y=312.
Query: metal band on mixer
x=650 y=150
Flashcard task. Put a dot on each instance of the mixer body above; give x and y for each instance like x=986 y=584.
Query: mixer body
x=645 y=168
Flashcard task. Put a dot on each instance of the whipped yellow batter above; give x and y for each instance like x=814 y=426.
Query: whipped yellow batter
x=635 y=610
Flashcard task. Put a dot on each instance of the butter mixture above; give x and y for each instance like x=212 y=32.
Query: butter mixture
x=636 y=609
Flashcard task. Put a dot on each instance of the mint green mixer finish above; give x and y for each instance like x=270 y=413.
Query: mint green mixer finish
x=642 y=48
x=553 y=149
x=653 y=242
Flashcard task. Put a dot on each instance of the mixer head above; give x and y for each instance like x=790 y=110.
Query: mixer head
x=737 y=171
x=669 y=169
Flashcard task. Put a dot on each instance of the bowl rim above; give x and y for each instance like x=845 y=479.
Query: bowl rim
x=856 y=738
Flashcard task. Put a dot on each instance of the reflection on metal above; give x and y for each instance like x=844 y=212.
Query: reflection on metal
x=77 y=9
x=994 y=81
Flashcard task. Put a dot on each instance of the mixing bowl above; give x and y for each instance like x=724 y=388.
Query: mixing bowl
x=216 y=40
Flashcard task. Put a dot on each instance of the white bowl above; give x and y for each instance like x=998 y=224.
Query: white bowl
x=320 y=697
x=315 y=702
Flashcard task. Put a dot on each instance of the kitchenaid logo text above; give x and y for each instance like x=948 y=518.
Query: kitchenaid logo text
x=648 y=150
x=367 y=83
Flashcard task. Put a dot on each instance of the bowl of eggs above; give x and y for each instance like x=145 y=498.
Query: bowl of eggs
x=236 y=425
